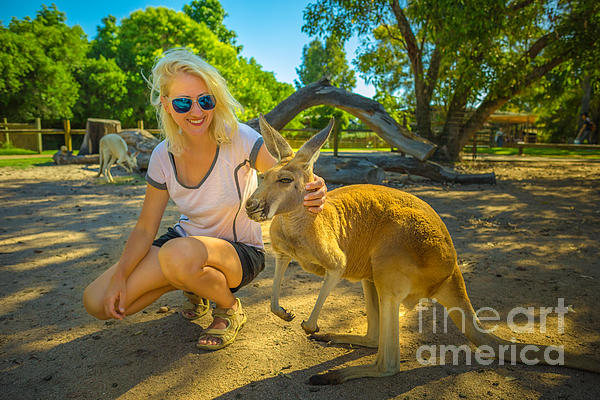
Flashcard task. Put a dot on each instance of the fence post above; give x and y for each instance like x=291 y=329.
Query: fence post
x=6 y=134
x=140 y=124
x=38 y=127
x=68 y=141
x=336 y=134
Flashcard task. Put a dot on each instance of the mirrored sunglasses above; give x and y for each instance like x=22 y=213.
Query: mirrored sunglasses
x=184 y=104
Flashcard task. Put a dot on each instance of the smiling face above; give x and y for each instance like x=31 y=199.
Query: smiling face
x=196 y=121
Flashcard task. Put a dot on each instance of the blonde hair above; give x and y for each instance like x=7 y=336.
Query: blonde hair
x=166 y=68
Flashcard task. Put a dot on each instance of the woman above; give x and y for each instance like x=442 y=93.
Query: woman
x=206 y=165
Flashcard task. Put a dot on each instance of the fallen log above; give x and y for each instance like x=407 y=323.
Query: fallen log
x=63 y=157
x=348 y=170
x=427 y=169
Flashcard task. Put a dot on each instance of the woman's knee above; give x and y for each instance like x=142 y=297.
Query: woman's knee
x=181 y=258
x=93 y=304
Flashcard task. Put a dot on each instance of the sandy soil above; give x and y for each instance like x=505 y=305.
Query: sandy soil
x=525 y=242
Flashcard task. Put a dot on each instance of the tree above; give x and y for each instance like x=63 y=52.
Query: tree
x=211 y=13
x=145 y=34
x=325 y=60
x=464 y=62
x=106 y=43
x=102 y=91
x=37 y=60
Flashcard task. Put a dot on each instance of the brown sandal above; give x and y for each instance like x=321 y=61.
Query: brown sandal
x=197 y=306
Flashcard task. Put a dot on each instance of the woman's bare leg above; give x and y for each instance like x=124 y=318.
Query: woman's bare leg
x=206 y=266
x=145 y=284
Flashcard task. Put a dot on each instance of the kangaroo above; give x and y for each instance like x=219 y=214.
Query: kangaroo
x=113 y=149
x=391 y=241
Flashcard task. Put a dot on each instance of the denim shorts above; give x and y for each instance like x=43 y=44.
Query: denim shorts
x=252 y=258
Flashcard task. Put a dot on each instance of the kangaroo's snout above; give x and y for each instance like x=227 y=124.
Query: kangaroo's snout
x=256 y=210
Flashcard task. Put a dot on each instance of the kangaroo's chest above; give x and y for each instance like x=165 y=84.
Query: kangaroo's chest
x=293 y=242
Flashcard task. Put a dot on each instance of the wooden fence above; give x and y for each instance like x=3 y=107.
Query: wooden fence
x=29 y=136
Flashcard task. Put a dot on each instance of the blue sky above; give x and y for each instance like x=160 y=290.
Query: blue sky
x=269 y=30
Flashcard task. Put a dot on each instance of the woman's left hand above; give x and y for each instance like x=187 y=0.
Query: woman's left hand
x=315 y=198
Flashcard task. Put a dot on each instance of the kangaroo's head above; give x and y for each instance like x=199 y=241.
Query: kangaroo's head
x=131 y=160
x=282 y=188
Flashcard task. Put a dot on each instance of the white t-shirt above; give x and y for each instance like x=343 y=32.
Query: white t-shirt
x=215 y=206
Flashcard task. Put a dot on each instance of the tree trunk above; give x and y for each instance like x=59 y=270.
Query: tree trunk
x=369 y=111
x=586 y=85
x=95 y=129
x=423 y=115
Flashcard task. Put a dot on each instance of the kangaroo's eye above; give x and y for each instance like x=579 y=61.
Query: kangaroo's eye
x=284 y=180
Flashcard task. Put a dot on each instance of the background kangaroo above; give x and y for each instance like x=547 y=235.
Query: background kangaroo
x=391 y=241
x=113 y=149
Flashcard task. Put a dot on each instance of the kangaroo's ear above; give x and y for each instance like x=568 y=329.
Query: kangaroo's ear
x=275 y=143
x=309 y=152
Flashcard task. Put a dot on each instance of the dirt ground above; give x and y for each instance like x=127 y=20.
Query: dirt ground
x=525 y=242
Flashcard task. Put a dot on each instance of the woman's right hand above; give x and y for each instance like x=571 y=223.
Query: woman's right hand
x=114 y=300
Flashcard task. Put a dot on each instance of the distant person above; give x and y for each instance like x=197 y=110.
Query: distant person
x=499 y=138
x=588 y=127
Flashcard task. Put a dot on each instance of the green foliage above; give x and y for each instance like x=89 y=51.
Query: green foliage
x=49 y=70
x=106 y=43
x=102 y=92
x=557 y=100
x=37 y=61
x=452 y=57
x=211 y=13
x=146 y=34
x=325 y=60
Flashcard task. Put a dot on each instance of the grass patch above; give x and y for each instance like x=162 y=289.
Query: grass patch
x=27 y=162
x=8 y=149
x=135 y=180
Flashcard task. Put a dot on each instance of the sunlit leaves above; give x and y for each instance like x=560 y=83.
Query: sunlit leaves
x=37 y=60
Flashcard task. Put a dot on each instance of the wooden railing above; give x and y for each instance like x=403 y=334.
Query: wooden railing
x=346 y=138
x=12 y=128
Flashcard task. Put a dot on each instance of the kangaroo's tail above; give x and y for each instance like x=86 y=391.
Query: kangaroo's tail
x=453 y=295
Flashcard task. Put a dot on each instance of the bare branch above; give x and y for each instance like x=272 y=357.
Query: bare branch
x=369 y=111
x=412 y=48
x=539 y=45
x=392 y=36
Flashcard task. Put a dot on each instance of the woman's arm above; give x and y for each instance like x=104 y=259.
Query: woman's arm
x=314 y=199
x=145 y=229
x=136 y=248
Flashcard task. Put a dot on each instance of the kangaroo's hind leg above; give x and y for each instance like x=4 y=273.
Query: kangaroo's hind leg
x=109 y=164
x=100 y=162
x=372 y=337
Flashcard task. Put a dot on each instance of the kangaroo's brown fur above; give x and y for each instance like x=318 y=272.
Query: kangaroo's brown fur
x=391 y=241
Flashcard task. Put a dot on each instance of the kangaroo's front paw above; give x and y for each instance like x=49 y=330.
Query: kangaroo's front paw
x=309 y=329
x=283 y=314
